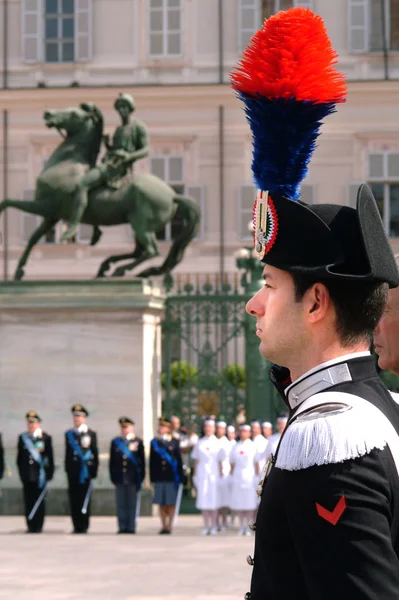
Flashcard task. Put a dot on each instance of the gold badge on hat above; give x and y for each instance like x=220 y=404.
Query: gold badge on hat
x=265 y=224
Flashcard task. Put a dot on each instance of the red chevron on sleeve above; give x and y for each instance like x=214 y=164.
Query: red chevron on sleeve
x=332 y=516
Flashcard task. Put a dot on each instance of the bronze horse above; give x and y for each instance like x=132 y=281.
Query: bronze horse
x=146 y=202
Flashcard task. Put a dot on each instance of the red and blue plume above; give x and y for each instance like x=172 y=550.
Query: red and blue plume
x=288 y=83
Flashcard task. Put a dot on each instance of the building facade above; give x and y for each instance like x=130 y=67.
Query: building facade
x=175 y=56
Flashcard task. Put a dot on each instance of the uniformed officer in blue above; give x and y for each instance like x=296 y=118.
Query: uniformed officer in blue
x=81 y=466
x=166 y=473
x=36 y=468
x=327 y=527
x=127 y=472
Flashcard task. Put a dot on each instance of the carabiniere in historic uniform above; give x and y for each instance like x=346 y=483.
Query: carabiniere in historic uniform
x=327 y=526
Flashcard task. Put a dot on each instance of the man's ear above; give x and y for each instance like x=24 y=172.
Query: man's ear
x=317 y=299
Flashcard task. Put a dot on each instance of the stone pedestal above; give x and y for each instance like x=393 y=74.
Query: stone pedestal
x=97 y=343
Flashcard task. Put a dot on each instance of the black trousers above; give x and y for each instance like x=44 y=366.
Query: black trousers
x=31 y=494
x=77 y=494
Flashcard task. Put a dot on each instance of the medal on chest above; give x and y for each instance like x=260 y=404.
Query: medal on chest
x=39 y=445
x=133 y=446
x=85 y=441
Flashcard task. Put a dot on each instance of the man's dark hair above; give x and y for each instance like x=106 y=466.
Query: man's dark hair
x=359 y=305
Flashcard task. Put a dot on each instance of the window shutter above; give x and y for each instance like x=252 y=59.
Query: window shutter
x=83 y=30
x=32 y=30
x=197 y=193
x=358 y=21
x=304 y=3
x=248 y=21
x=308 y=193
x=352 y=191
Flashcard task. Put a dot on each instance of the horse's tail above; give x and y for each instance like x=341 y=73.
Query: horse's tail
x=190 y=212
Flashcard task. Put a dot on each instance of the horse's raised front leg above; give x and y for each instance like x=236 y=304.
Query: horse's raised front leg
x=28 y=206
x=45 y=226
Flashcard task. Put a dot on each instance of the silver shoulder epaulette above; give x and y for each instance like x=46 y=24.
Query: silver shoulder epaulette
x=329 y=428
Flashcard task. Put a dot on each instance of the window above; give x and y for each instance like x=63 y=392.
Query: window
x=59 y=31
x=247 y=198
x=252 y=13
x=56 y=31
x=383 y=169
x=366 y=31
x=165 y=28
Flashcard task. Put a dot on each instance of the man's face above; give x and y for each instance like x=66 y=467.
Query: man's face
x=163 y=429
x=32 y=426
x=267 y=432
x=220 y=431
x=255 y=429
x=209 y=429
x=279 y=318
x=175 y=423
x=231 y=434
x=124 y=109
x=280 y=425
x=245 y=434
x=78 y=420
x=126 y=429
x=386 y=334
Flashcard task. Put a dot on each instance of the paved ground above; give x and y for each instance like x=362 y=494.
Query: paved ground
x=103 y=566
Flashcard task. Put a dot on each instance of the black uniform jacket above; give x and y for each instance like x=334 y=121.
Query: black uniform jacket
x=121 y=469
x=160 y=469
x=330 y=532
x=87 y=441
x=29 y=469
x=1 y=458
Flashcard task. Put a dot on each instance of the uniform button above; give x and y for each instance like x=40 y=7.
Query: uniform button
x=250 y=560
x=252 y=525
x=74 y=453
x=247 y=596
x=31 y=462
x=124 y=470
x=124 y=456
x=164 y=462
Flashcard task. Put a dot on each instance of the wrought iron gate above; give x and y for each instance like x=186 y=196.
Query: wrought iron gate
x=211 y=361
x=204 y=350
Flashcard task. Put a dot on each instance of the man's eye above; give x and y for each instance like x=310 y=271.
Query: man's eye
x=267 y=285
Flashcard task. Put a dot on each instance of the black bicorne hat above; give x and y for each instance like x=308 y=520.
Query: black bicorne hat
x=327 y=241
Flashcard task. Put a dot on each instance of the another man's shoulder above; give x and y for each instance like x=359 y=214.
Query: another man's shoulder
x=331 y=428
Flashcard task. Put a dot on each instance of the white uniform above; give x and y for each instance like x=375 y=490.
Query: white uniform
x=224 y=480
x=244 y=458
x=261 y=443
x=272 y=444
x=206 y=452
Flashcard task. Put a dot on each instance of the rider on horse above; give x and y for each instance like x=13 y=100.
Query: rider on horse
x=129 y=143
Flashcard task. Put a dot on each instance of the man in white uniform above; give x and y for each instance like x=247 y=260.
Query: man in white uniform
x=224 y=472
x=260 y=442
x=206 y=475
x=244 y=469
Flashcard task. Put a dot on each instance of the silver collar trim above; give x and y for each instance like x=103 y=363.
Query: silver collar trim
x=318 y=382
